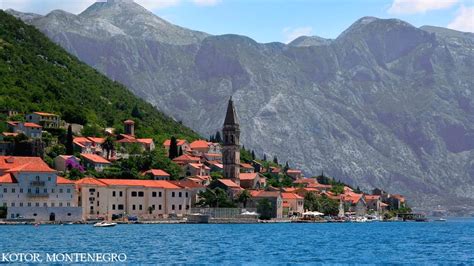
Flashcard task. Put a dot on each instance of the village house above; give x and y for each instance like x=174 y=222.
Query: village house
x=201 y=180
x=246 y=168
x=293 y=204
x=181 y=143
x=31 y=130
x=199 y=147
x=274 y=197
x=294 y=174
x=374 y=203
x=148 y=199
x=60 y=162
x=30 y=189
x=354 y=203
x=193 y=169
x=94 y=161
x=192 y=187
x=6 y=147
x=46 y=120
x=157 y=174
x=186 y=159
x=88 y=145
x=250 y=181
x=128 y=138
x=217 y=157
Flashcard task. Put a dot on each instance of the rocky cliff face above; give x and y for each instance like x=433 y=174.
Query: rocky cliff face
x=383 y=105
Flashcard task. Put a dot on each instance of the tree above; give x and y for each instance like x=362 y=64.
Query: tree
x=69 y=140
x=173 y=151
x=180 y=152
x=218 y=137
x=150 y=209
x=108 y=146
x=243 y=197
x=215 y=198
x=253 y=155
x=264 y=208
x=136 y=112
x=275 y=159
x=287 y=166
x=264 y=157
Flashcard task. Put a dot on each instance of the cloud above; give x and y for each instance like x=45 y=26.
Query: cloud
x=292 y=33
x=419 y=6
x=464 y=20
x=206 y=2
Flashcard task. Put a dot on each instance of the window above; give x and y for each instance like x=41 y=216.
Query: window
x=187 y=207
x=141 y=194
x=68 y=214
x=52 y=190
x=180 y=207
x=120 y=194
x=113 y=193
x=13 y=190
x=37 y=204
x=60 y=204
x=153 y=207
x=60 y=190
x=5 y=190
x=21 y=190
x=91 y=190
x=98 y=204
x=49 y=178
x=29 y=204
x=13 y=204
x=153 y=194
x=45 y=204
x=45 y=190
x=159 y=194
x=172 y=207
x=69 y=191
x=21 y=204
x=180 y=194
x=133 y=207
x=34 y=214
x=140 y=207
x=159 y=207
x=113 y=206
x=29 y=190
x=134 y=193
x=186 y=194
x=52 y=204
x=68 y=204
x=120 y=206
x=97 y=193
x=172 y=194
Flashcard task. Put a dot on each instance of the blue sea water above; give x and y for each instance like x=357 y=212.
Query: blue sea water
x=451 y=242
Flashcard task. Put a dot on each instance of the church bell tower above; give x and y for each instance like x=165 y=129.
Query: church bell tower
x=231 y=147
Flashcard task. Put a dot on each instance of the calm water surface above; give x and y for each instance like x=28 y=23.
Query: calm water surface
x=450 y=242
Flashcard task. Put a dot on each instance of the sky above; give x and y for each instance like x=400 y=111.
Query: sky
x=281 y=20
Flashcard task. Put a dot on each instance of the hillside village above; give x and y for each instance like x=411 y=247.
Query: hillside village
x=54 y=171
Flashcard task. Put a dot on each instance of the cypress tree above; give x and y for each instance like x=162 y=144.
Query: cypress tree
x=264 y=157
x=218 y=137
x=173 y=151
x=253 y=155
x=69 y=140
x=275 y=159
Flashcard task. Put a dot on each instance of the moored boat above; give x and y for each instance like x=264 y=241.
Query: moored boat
x=104 y=224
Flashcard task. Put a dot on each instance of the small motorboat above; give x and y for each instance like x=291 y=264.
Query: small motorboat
x=104 y=224
x=440 y=220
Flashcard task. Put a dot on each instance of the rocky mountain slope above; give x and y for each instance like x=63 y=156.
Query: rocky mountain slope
x=385 y=104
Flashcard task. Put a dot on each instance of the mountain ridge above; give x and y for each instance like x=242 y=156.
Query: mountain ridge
x=385 y=104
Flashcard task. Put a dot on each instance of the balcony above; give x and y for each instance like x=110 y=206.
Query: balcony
x=37 y=195
x=37 y=183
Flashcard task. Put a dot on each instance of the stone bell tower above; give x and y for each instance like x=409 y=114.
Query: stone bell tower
x=231 y=147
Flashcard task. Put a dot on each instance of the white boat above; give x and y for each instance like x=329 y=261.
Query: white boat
x=440 y=220
x=104 y=224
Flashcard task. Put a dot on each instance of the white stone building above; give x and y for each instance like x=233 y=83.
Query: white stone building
x=30 y=189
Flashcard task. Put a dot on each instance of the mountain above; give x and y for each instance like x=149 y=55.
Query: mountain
x=38 y=75
x=309 y=41
x=385 y=104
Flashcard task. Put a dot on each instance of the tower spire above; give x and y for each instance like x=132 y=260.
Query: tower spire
x=231 y=115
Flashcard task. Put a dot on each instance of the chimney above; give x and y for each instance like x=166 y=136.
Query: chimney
x=129 y=127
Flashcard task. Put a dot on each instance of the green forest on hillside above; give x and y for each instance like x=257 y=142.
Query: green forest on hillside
x=38 y=75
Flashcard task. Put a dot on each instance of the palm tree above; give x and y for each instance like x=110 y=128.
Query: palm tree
x=243 y=197
x=108 y=146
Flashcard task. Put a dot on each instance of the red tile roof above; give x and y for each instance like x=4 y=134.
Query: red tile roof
x=128 y=182
x=351 y=197
x=199 y=144
x=229 y=183
x=287 y=195
x=246 y=165
x=145 y=141
x=180 y=142
x=186 y=158
x=44 y=114
x=23 y=164
x=187 y=184
x=63 y=181
x=293 y=171
x=157 y=172
x=94 y=158
x=305 y=181
x=7 y=178
x=372 y=197
x=264 y=194
x=248 y=176
x=29 y=124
